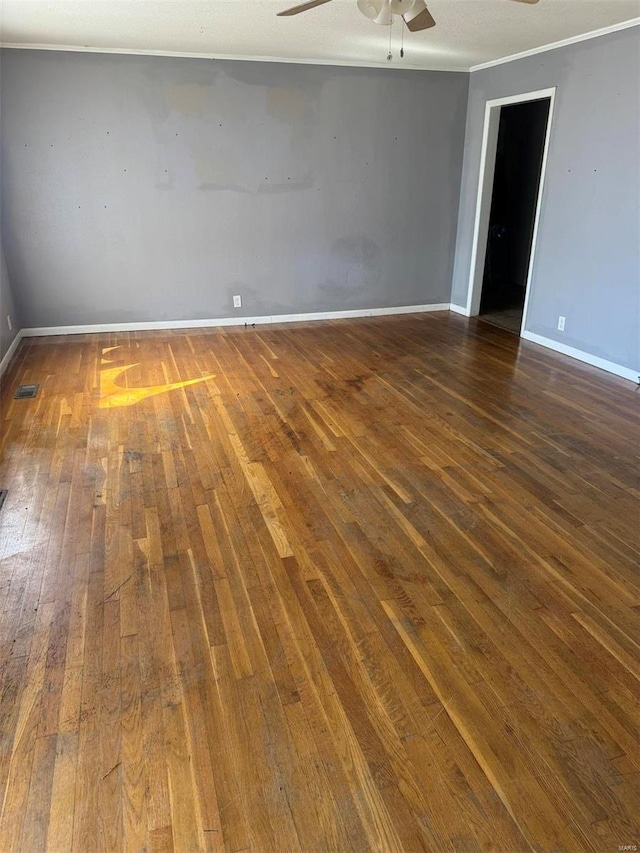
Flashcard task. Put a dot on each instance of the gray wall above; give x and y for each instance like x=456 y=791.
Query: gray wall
x=147 y=188
x=587 y=263
x=7 y=302
x=7 y=308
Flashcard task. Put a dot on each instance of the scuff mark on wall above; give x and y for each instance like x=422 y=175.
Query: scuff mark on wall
x=305 y=183
x=232 y=188
x=356 y=249
x=354 y=270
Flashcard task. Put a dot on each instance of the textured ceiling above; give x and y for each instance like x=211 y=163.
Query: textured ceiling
x=468 y=32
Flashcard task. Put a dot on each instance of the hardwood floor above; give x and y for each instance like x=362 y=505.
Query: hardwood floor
x=509 y=319
x=370 y=586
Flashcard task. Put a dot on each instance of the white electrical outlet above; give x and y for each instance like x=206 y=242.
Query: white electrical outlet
x=561 y=322
x=237 y=301
x=9 y=323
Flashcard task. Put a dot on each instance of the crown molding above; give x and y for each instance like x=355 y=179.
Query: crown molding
x=604 y=31
x=126 y=51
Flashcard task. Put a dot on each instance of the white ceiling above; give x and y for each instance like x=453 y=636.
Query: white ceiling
x=468 y=32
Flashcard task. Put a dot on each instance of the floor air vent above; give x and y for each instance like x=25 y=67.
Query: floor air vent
x=3 y=495
x=25 y=391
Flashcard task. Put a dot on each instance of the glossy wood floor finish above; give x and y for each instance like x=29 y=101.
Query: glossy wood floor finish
x=371 y=586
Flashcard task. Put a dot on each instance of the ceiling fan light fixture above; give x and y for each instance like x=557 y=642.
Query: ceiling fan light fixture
x=370 y=8
x=385 y=15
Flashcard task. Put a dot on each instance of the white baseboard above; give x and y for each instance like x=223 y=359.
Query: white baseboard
x=459 y=309
x=594 y=360
x=10 y=352
x=230 y=321
x=549 y=343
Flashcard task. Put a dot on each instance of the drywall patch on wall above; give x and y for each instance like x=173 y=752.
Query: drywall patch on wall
x=190 y=99
x=199 y=127
x=287 y=104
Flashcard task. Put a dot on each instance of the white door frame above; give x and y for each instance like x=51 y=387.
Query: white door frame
x=485 y=191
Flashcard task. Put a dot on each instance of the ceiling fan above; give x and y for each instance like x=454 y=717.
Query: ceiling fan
x=413 y=12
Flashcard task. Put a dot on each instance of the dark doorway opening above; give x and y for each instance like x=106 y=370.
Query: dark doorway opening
x=516 y=181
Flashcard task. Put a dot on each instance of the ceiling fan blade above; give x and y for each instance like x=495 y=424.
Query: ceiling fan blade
x=418 y=18
x=303 y=7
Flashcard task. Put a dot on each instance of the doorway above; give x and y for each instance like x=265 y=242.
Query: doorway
x=514 y=150
x=516 y=178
